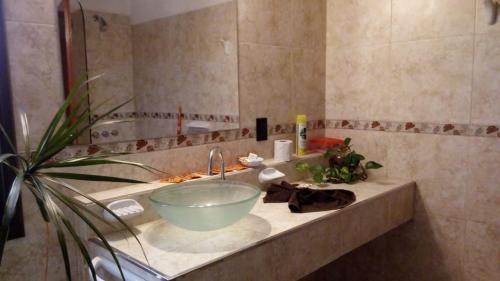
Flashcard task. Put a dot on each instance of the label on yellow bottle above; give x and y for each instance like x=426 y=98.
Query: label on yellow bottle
x=301 y=142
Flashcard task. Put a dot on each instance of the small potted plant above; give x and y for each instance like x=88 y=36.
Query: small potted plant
x=344 y=166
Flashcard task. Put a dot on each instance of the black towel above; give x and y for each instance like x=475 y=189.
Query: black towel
x=306 y=200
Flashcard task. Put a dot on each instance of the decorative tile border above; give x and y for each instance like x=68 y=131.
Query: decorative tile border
x=417 y=128
x=167 y=143
x=174 y=115
x=149 y=145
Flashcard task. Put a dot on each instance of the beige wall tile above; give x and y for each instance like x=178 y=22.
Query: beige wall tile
x=363 y=224
x=25 y=258
x=308 y=83
x=483 y=17
x=309 y=24
x=364 y=261
x=265 y=84
x=420 y=81
x=429 y=248
x=432 y=80
x=101 y=46
x=436 y=163
x=358 y=83
x=156 y=33
x=31 y=11
x=482 y=250
x=216 y=23
x=185 y=64
x=424 y=19
x=265 y=22
x=324 y=236
x=35 y=72
x=426 y=249
x=486 y=95
x=483 y=190
x=358 y=22
x=402 y=207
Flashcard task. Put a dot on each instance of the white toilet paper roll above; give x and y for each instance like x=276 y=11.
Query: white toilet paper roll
x=283 y=150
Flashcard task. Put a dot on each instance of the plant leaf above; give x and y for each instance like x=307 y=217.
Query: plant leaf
x=7 y=139
x=5 y=157
x=302 y=167
x=58 y=217
x=40 y=202
x=55 y=217
x=328 y=154
x=85 y=177
x=318 y=173
x=81 y=246
x=47 y=136
x=26 y=132
x=96 y=161
x=71 y=230
x=9 y=211
x=347 y=141
x=101 y=236
x=373 y=165
x=112 y=122
x=73 y=133
x=70 y=202
x=104 y=207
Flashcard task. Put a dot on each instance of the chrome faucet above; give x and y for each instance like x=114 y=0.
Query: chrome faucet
x=210 y=158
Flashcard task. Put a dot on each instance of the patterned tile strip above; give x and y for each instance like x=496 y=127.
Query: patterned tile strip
x=417 y=128
x=166 y=143
x=174 y=115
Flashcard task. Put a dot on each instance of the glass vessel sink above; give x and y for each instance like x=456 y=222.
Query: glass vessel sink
x=205 y=205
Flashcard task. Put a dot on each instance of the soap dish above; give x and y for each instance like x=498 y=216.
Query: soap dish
x=269 y=175
x=125 y=209
x=251 y=161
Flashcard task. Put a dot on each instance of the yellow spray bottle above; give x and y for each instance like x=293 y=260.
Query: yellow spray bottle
x=301 y=131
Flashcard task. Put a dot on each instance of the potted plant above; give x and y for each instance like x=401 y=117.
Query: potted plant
x=344 y=166
x=38 y=173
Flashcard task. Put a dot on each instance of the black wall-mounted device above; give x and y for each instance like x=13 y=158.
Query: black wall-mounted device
x=261 y=129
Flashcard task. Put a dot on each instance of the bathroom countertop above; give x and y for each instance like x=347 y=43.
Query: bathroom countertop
x=174 y=252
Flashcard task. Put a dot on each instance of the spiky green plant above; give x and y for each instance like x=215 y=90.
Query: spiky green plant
x=34 y=171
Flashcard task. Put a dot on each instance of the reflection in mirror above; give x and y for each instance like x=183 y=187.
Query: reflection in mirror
x=177 y=59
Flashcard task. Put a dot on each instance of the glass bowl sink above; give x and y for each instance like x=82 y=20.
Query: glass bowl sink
x=204 y=205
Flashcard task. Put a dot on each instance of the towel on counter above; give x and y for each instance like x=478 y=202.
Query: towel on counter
x=306 y=200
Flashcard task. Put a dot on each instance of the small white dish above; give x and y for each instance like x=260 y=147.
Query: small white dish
x=270 y=175
x=251 y=162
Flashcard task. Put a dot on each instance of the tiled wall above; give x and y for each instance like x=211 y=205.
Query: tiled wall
x=282 y=45
x=185 y=64
x=281 y=61
x=35 y=66
x=433 y=61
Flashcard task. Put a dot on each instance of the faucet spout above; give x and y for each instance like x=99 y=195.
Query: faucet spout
x=213 y=151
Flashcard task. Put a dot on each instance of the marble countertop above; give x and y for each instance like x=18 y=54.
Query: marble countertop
x=173 y=252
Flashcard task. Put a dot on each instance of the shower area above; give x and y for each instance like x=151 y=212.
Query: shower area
x=89 y=48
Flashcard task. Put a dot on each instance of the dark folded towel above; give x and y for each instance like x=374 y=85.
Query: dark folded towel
x=306 y=200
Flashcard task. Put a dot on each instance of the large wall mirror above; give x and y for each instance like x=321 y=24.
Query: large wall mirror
x=177 y=59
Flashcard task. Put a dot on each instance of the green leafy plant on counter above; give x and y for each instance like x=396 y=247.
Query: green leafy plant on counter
x=344 y=166
x=37 y=173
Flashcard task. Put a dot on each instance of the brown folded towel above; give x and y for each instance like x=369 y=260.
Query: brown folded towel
x=306 y=200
